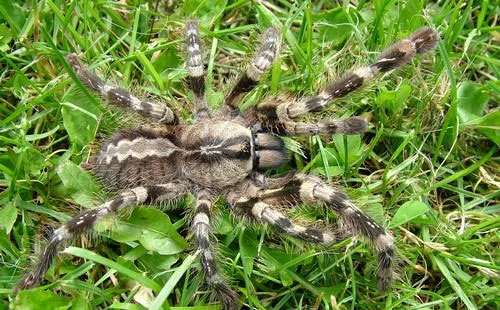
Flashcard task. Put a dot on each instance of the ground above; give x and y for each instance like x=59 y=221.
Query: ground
x=427 y=169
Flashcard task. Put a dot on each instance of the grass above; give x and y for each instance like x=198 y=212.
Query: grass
x=427 y=168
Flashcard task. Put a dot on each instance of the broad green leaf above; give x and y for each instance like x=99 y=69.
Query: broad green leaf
x=8 y=216
x=332 y=171
x=410 y=16
x=5 y=37
x=248 y=249
x=169 y=58
x=13 y=14
x=472 y=100
x=79 y=117
x=78 y=182
x=33 y=160
x=408 y=211
x=394 y=100
x=333 y=25
x=40 y=300
x=489 y=125
x=354 y=148
x=153 y=229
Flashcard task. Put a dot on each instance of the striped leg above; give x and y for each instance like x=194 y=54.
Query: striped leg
x=121 y=97
x=200 y=225
x=353 y=125
x=284 y=110
x=264 y=212
x=195 y=68
x=308 y=189
x=86 y=220
x=313 y=190
x=263 y=60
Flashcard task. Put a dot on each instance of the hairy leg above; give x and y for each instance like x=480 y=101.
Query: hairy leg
x=282 y=111
x=304 y=188
x=86 y=220
x=201 y=227
x=195 y=68
x=264 y=212
x=121 y=97
x=263 y=60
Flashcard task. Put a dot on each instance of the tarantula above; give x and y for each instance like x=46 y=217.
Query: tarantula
x=225 y=152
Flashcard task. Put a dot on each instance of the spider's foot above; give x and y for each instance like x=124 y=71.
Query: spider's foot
x=28 y=281
x=226 y=296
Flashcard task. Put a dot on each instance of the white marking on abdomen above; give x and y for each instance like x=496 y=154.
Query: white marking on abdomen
x=138 y=148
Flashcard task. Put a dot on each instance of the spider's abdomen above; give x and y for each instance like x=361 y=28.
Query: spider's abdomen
x=138 y=157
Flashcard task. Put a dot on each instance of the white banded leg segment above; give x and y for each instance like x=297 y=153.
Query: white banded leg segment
x=265 y=213
x=194 y=64
x=86 y=220
x=200 y=225
x=397 y=55
x=355 y=221
x=350 y=126
x=121 y=97
x=262 y=61
x=194 y=59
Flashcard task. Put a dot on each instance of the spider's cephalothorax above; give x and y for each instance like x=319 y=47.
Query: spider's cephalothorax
x=223 y=154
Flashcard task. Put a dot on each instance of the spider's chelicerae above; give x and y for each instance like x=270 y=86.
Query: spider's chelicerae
x=225 y=152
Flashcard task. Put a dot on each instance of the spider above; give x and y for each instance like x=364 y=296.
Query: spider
x=225 y=153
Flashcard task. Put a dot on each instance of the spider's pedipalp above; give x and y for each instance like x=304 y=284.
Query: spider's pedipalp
x=263 y=60
x=86 y=220
x=195 y=67
x=391 y=58
x=121 y=97
x=200 y=225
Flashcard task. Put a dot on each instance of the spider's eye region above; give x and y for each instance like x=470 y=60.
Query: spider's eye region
x=236 y=148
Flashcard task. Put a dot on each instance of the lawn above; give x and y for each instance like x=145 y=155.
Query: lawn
x=427 y=168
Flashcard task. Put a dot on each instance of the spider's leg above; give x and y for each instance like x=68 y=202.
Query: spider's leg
x=86 y=220
x=201 y=227
x=195 y=68
x=262 y=61
x=351 y=126
x=285 y=110
x=308 y=189
x=122 y=97
x=262 y=211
